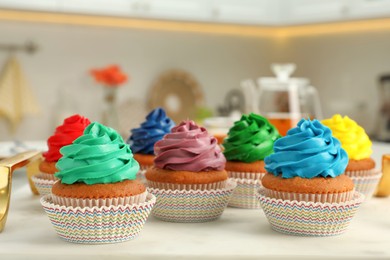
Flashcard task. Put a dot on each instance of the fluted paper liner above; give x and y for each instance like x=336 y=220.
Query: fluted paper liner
x=98 y=225
x=141 y=176
x=362 y=173
x=106 y=202
x=42 y=184
x=178 y=186
x=330 y=198
x=191 y=205
x=366 y=181
x=304 y=218
x=48 y=176
x=367 y=184
x=246 y=175
x=244 y=195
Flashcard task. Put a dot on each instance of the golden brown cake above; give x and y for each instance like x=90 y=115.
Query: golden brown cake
x=145 y=160
x=48 y=167
x=318 y=185
x=185 y=177
x=237 y=166
x=97 y=191
x=360 y=165
x=220 y=137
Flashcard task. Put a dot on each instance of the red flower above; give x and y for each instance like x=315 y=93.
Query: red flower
x=111 y=76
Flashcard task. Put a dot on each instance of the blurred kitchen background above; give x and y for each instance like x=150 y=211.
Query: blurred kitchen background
x=190 y=56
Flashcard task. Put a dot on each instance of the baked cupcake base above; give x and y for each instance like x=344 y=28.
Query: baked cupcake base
x=145 y=160
x=98 y=225
x=191 y=205
x=304 y=218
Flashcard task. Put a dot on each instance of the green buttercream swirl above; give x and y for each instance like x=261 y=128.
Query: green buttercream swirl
x=98 y=156
x=250 y=139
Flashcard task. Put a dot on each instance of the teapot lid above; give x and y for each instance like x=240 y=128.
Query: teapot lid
x=282 y=80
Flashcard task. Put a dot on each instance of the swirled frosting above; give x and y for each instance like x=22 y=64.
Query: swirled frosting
x=64 y=134
x=250 y=139
x=98 y=156
x=307 y=151
x=157 y=125
x=189 y=148
x=353 y=138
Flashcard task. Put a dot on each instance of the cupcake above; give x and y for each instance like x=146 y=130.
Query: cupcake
x=97 y=191
x=249 y=141
x=357 y=144
x=64 y=134
x=305 y=191
x=142 y=139
x=188 y=176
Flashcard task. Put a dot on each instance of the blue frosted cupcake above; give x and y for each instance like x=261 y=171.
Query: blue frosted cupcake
x=143 y=138
x=305 y=191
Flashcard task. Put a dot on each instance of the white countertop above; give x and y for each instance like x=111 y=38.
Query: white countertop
x=238 y=234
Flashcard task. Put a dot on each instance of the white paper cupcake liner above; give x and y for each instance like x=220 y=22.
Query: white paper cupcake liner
x=144 y=167
x=43 y=185
x=141 y=177
x=98 y=225
x=48 y=176
x=191 y=205
x=77 y=202
x=330 y=198
x=362 y=173
x=303 y=218
x=367 y=184
x=246 y=175
x=176 y=186
x=244 y=195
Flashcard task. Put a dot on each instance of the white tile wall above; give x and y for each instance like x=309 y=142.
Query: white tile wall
x=68 y=52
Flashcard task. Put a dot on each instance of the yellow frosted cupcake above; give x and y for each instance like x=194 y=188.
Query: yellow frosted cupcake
x=357 y=144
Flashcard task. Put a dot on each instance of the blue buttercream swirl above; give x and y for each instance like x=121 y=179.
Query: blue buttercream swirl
x=307 y=151
x=157 y=125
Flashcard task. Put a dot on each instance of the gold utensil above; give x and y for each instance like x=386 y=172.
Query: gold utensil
x=7 y=167
x=383 y=189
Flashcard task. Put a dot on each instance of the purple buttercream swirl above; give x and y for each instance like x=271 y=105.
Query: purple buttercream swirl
x=189 y=148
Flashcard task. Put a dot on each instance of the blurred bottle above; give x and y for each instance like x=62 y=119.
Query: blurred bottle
x=383 y=132
x=383 y=189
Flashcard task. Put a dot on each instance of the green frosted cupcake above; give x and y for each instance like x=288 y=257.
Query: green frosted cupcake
x=249 y=141
x=97 y=191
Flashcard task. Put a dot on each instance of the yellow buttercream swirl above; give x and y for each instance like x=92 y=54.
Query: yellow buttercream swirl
x=353 y=138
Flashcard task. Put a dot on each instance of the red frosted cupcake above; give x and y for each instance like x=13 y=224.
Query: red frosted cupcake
x=65 y=134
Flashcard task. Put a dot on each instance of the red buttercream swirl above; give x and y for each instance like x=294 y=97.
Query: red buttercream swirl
x=189 y=148
x=65 y=134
